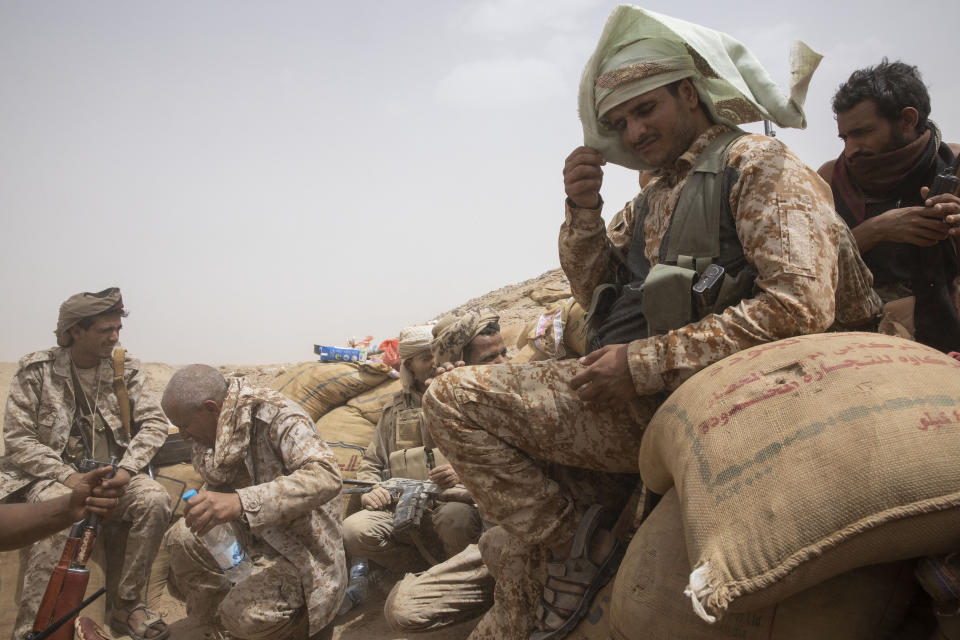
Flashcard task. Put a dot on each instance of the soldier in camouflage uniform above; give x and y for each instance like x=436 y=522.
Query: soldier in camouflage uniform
x=63 y=407
x=273 y=479
x=447 y=527
x=645 y=103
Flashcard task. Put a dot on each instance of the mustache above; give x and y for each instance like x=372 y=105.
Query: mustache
x=643 y=141
x=860 y=154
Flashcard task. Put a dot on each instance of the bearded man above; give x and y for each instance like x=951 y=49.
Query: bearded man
x=65 y=405
x=891 y=153
x=663 y=94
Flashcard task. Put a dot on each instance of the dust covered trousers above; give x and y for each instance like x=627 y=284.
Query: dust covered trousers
x=37 y=425
x=287 y=480
x=446 y=528
x=457 y=589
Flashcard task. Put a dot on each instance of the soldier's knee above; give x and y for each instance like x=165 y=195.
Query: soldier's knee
x=457 y=525
x=361 y=534
x=402 y=610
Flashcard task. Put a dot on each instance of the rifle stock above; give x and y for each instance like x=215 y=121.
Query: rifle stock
x=68 y=582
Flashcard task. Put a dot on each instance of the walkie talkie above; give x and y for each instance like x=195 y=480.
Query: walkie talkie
x=947 y=181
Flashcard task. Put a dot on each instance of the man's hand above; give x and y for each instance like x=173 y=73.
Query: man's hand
x=444 y=476
x=607 y=376
x=948 y=205
x=119 y=481
x=582 y=177
x=210 y=508
x=376 y=499
x=82 y=500
x=442 y=369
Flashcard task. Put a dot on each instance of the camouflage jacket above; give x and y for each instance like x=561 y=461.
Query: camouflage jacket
x=40 y=412
x=288 y=496
x=784 y=217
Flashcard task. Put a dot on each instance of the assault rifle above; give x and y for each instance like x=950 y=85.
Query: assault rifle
x=410 y=495
x=68 y=582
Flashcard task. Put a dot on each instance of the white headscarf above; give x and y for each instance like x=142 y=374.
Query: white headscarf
x=640 y=50
x=412 y=342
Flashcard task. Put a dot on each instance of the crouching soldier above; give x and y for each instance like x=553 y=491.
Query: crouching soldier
x=447 y=527
x=270 y=476
x=82 y=399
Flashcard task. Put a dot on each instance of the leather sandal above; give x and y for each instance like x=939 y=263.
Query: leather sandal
x=578 y=569
x=87 y=629
x=154 y=621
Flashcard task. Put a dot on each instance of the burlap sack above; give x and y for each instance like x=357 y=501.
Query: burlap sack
x=348 y=433
x=539 y=338
x=862 y=604
x=371 y=403
x=321 y=386
x=801 y=459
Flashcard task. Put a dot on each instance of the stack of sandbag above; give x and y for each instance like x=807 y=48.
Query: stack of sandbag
x=559 y=332
x=647 y=599
x=804 y=459
x=321 y=386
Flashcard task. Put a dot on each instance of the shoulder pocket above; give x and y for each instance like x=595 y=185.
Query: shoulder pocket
x=796 y=233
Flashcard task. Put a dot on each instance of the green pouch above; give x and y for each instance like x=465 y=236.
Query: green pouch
x=667 y=301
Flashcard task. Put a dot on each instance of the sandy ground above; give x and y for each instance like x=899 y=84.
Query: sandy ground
x=518 y=304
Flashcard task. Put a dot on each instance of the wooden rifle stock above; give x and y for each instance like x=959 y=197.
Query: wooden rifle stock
x=68 y=582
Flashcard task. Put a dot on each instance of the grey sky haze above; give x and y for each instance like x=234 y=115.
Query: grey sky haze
x=261 y=176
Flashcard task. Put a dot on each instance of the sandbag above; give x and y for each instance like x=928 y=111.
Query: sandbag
x=863 y=604
x=558 y=333
x=321 y=386
x=348 y=433
x=371 y=403
x=802 y=459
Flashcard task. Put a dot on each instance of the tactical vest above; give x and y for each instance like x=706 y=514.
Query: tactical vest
x=702 y=231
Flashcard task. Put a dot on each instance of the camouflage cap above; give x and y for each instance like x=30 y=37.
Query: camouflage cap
x=86 y=305
x=453 y=333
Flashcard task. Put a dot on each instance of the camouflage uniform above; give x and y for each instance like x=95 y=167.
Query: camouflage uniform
x=498 y=424
x=287 y=483
x=39 y=418
x=446 y=528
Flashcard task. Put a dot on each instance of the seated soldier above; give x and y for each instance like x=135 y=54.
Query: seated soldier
x=658 y=93
x=891 y=153
x=271 y=477
x=449 y=526
x=65 y=406
x=461 y=587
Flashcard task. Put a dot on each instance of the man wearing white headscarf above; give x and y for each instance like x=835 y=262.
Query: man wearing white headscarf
x=660 y=94
x=447 y=527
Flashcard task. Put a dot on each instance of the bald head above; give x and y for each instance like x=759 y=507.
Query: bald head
x=193 y=385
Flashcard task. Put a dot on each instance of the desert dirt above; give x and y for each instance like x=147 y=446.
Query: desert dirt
x=517 y=304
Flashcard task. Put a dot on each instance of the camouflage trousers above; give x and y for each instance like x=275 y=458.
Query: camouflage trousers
x=457 y=589
x=534 y=457
x=444 y=531
x=142 y=516
x=268 y=604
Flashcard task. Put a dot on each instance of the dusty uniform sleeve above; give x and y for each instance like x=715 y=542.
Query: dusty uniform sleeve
x=377 y=456
x=313 y=477
x=146 y=413
x=785 y=220
x=587 y=251
x=22 y=424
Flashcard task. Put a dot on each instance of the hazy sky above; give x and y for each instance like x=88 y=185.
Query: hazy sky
x=259 y=177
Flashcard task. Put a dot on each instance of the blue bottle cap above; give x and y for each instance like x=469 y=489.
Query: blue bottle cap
x=189 y=494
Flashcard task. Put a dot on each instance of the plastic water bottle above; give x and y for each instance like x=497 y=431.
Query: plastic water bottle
x=225 y=549
x=359 y=586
